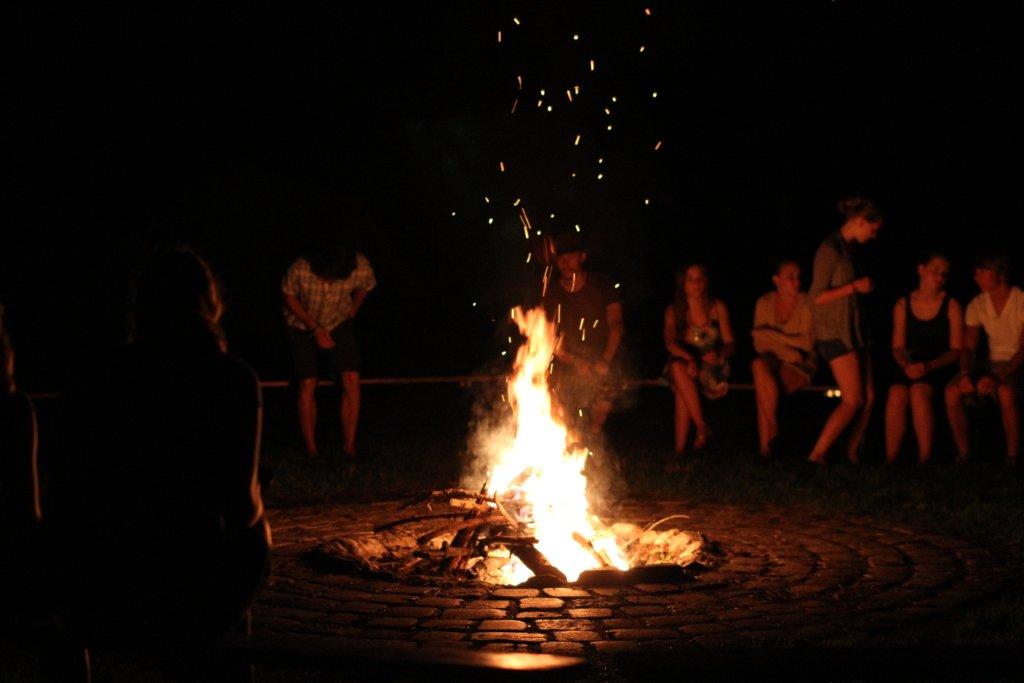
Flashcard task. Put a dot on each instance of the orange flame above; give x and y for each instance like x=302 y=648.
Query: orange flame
x=541 y=472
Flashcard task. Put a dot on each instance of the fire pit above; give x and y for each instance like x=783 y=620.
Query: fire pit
x=531 y=523
x=485 y=538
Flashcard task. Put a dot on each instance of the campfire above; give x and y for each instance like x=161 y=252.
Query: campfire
x=531 y=521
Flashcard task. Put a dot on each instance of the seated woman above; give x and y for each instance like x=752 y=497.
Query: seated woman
x=158 y=520
x=785 y=350
x=927 y=333
x=698 y=338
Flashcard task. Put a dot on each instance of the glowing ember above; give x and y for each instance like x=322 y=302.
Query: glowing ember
x=541 y=473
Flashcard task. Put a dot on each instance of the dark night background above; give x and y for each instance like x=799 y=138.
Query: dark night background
x=245 y=131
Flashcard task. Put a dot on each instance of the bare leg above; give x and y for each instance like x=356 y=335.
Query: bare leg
x=895 y=421
x=766 y=390
x=349 y=411
x=921 y=409
x=860 y=425
x=846 y=370
x=307 y=413
x=687 y=404
x=957 y=420
x=1007 y=396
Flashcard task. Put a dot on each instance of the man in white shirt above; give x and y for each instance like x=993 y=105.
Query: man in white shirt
x=999 y=309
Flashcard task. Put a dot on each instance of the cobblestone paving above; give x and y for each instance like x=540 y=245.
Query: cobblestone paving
x=789 y=577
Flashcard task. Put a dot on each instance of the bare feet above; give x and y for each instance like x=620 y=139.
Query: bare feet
x=816 y=458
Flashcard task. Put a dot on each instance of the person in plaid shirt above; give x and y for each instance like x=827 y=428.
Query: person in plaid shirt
x=322 y=293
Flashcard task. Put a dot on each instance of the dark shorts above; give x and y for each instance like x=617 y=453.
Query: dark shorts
x=830 y=349
x=344 y=357
x=577 y=391
x=1015 y=380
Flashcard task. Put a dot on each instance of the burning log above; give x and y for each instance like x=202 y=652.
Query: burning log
x=589 y=547
x=536 y=562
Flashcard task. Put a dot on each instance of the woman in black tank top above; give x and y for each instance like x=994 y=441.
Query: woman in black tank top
x=926 y=337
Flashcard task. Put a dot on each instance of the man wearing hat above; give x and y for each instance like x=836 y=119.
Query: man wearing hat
x=587 y=311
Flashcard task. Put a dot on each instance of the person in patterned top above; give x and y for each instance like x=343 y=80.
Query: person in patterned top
x=323 y=292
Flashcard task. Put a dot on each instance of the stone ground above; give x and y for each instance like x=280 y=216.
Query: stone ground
x=790 y=577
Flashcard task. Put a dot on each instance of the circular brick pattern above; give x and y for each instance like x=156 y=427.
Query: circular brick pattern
x=789 y=577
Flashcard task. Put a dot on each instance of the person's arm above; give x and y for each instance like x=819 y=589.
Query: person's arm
x=364 y=282
x=899 y=335
x=358 y=297
x=616 y=330
x=824 y=264
x=956 y=339
x=725 y=326
x=761 y=332
x=321 y=333
x=972 y=334
x=295 y=306
x=675 y=350
x=669 y=336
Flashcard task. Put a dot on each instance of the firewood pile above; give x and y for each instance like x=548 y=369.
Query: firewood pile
x=483 y=531
x=477 y=534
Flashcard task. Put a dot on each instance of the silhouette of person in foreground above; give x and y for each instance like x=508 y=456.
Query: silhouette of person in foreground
x=158 y=526
x=20 y=512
